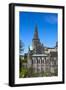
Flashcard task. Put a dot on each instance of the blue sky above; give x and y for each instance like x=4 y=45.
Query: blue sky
x=47 y=24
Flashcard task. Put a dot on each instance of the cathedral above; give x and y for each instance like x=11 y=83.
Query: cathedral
x=42 y=58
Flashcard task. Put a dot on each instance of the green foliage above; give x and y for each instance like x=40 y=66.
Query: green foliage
x=21 y=46
x=23 y=72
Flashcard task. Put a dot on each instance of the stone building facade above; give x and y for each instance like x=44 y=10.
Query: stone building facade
x=41 y=58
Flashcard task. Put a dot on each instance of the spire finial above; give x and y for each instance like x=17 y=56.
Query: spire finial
x=36 y=32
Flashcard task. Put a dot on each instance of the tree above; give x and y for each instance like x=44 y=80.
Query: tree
x=21 y=46
x=21 y=49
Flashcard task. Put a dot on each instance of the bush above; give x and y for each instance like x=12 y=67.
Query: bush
x=23 y=73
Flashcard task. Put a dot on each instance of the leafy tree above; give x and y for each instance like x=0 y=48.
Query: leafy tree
x=21 y=46
x=21 y=49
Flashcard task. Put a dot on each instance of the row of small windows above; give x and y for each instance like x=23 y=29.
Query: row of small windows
x=34 y=60
x=38 y=61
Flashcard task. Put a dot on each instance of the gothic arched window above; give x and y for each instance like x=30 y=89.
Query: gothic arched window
x=38 y=61
x=42 y=61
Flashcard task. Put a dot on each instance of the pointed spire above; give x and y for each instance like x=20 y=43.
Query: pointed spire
x=36 y=33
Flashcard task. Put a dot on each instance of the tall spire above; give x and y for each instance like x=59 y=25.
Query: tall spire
x=36 y=33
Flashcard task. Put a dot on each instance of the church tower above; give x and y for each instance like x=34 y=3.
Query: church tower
x=37 y=47
x=36 y=34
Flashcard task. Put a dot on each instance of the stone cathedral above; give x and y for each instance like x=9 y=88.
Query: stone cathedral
x=41 y=58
